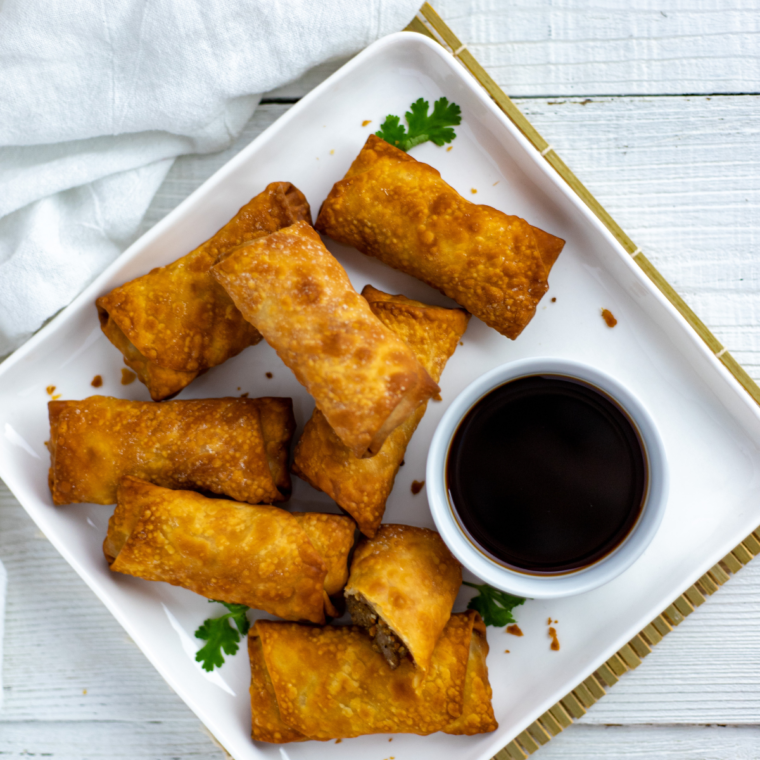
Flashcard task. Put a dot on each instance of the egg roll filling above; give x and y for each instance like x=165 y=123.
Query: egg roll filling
x=385 y=640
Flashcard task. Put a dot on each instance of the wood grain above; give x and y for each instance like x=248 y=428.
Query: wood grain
x=545 y=48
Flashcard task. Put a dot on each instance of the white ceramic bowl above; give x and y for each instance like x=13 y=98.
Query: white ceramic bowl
x=568 y=583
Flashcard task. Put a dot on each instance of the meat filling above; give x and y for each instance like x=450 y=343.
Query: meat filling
x=385 y=641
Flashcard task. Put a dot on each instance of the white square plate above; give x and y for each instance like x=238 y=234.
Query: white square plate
x=710 y=426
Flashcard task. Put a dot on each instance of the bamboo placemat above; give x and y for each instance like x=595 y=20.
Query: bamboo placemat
x=585 y=694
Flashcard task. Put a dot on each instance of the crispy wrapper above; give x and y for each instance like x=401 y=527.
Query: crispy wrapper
x=330 y=534
x=232 y=446
x=362 y=486
x=400 y=211
x=261 y=556
x=364 y=378
x=402 y=586
x=328 y=683
x=175 y=322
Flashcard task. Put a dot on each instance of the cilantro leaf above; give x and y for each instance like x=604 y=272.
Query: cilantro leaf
x=436 y=127
x=392 y=132
x=237 y=613
x=494 y=606
x=221 y=636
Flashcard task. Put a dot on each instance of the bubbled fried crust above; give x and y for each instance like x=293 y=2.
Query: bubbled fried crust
x=477 y=711
x=410 y=579
x=169 y=346
x=362 y=486
x=216 y=445
x=333 y=538
x=259 y=556
x=400 y=210
x=364 y=379
x=328 y=683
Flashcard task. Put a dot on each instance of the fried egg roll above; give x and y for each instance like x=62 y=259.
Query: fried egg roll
x=260 y=556
x=364 y=378
x=175 y=322
x=400 y=211
x=362 y=486
x=401 y=588
x=328 y=683
x=232 y=446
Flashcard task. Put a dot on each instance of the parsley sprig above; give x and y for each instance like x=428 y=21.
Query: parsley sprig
x=494 y=606
x=221 y=635
x=436 y=127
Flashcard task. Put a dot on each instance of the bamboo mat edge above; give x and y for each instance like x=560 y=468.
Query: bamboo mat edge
x=575 y=704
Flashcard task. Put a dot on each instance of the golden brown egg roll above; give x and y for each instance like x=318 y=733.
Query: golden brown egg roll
x=364 y=378
x=330 y=534
x=328 y=683
x=260 y=556
x=362 y=486
x=400 y=211
x=232 y=446
x=401 y=588
x=175 y=322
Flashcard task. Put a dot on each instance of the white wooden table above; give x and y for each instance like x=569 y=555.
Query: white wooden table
x=656 y=107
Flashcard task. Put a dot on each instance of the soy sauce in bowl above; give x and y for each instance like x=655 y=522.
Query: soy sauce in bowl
x=546 y=474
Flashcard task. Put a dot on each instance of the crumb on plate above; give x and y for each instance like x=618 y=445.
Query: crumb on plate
x=609 y=318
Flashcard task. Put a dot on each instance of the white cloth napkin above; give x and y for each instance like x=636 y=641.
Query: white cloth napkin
x=98 y=98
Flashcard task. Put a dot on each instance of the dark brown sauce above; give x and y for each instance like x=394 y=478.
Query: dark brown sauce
x=546 y=474
x=417 y=486
x=97 y=381
x=127 y=377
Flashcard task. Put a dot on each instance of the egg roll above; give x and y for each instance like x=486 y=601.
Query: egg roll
x=328 y=683
x=175 y=322
x=401 y=588
x=361 y=486
x=400 y=211
x=260 y=556
x=364 y=378
x=232 y=446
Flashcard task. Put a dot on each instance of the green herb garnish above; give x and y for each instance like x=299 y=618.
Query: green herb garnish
x=436 y=127
x=494 y=606
x=221 y=635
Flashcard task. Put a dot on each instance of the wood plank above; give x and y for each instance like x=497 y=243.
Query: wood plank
x=545 y=49
x=585 y=742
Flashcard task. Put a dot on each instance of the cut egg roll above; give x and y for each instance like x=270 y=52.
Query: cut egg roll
x=400 y=211
x=260 y=556
x=176 y=322
x=361 y=486
x=401 y=588
x=328 y=683
x=232 y=446
x=364 y=379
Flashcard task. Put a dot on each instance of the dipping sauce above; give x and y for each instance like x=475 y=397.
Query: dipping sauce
x=546 y=474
